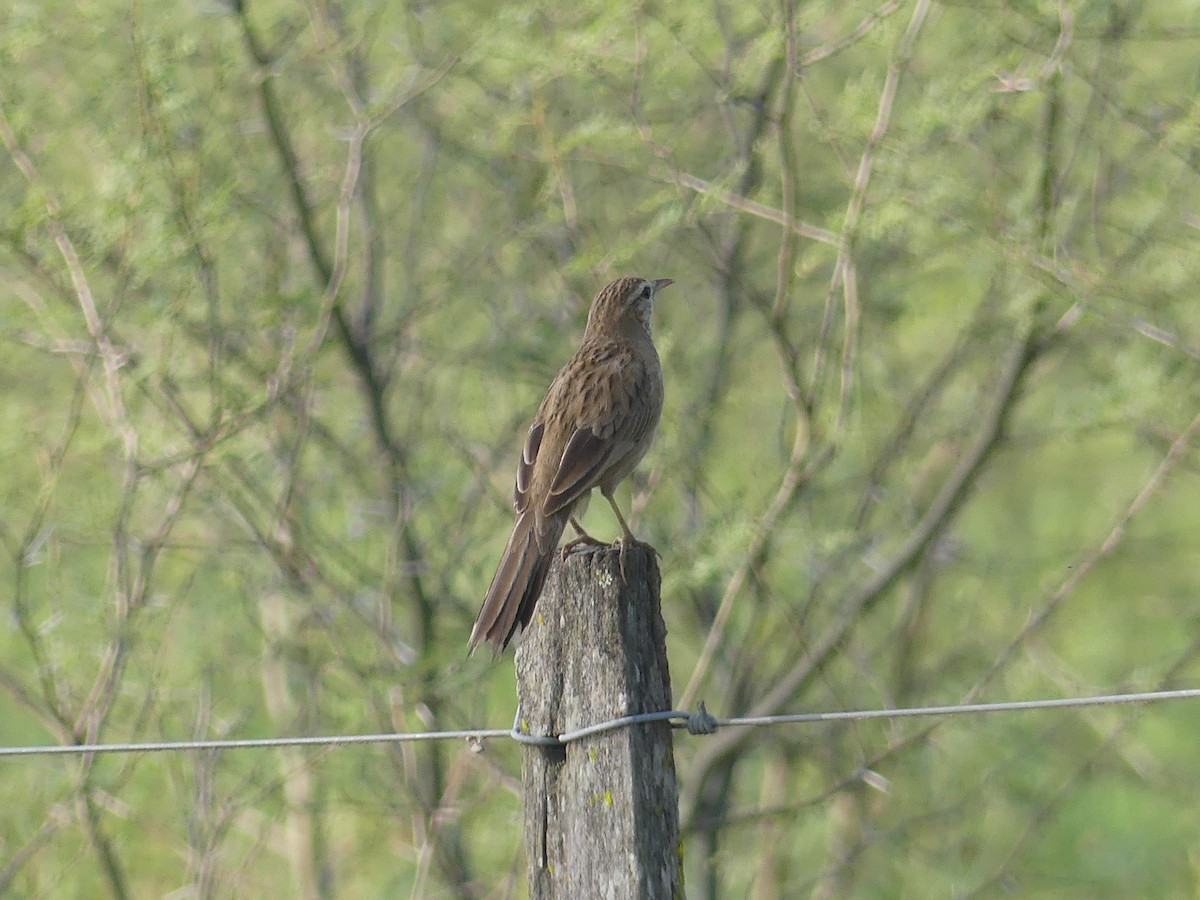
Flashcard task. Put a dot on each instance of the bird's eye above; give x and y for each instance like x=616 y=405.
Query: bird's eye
x=645 y=292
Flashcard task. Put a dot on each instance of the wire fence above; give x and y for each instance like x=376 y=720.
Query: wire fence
x=699 y=722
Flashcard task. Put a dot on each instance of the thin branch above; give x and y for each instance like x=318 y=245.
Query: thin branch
x=843 y=270
x=935 y=520
x=848 y=40
x=752 y=207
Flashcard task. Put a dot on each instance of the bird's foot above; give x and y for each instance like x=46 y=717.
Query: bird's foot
x=585 y=543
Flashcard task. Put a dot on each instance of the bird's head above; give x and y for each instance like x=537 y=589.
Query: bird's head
x=626 y=302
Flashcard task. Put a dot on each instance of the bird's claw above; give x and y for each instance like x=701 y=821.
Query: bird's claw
x=622 y=544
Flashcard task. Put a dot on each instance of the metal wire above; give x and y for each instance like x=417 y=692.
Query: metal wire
x=251 y=743
x=699 y=722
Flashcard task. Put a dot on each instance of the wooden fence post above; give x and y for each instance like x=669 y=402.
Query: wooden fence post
x=602 y=813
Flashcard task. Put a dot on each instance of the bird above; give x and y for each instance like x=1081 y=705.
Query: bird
x=592 y=429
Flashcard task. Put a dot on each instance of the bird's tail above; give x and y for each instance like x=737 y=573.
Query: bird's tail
x=508 y=606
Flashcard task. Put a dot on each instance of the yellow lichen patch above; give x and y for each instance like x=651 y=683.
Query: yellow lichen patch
x=597 y=798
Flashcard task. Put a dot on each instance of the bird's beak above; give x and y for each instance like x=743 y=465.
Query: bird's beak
x=660 y=283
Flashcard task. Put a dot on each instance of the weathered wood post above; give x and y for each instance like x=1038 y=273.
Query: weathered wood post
x=601 y=813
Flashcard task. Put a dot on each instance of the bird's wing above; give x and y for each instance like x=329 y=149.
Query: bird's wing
x=584 y=461
x=533 y=443
x=607 y=426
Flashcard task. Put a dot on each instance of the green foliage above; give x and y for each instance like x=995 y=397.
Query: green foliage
x=239 y=503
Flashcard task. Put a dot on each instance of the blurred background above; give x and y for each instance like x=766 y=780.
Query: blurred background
x=281 y=284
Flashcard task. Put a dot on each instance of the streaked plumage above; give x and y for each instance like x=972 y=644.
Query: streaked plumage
x=592 y=429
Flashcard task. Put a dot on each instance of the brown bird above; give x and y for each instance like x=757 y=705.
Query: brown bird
x=592 y=429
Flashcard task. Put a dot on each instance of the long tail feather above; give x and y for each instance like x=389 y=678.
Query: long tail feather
x=508 y=606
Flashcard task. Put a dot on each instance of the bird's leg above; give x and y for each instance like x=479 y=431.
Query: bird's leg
x=582 y=539
x=627 y=539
